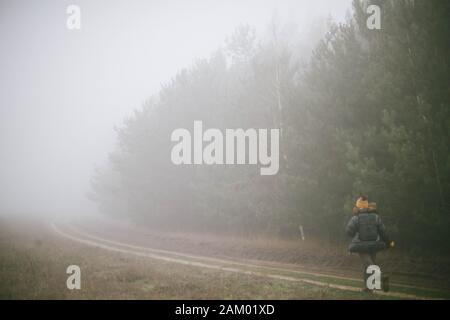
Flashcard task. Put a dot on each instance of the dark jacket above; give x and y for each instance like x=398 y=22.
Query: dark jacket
x=367 y=231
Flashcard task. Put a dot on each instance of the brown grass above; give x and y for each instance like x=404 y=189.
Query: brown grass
x=33 y=262
x=311 y=254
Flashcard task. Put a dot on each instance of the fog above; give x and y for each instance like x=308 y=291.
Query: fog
x=63 y=91
x=232 y=149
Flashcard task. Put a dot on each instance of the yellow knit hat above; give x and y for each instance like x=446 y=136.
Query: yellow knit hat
x=362 y=204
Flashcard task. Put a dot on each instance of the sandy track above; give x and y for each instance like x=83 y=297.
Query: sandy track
x=207 y=262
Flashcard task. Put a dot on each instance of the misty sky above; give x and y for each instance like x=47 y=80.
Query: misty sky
x=62 y=91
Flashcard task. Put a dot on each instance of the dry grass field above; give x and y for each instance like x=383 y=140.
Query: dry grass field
x=34 y=258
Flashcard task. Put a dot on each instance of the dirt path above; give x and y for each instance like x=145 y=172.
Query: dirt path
x=316 y=279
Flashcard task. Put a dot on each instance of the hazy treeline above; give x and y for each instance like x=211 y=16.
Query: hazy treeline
x=368 y=112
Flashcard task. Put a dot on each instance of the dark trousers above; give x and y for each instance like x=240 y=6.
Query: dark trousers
x=367 y=260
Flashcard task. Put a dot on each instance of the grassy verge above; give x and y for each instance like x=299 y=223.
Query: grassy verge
x=33 y=262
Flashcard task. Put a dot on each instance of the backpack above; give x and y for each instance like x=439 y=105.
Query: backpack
x=368 y=226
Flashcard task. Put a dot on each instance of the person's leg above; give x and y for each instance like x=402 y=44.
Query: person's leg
x=384 y=276
x=373 y=257
x=366 y=259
